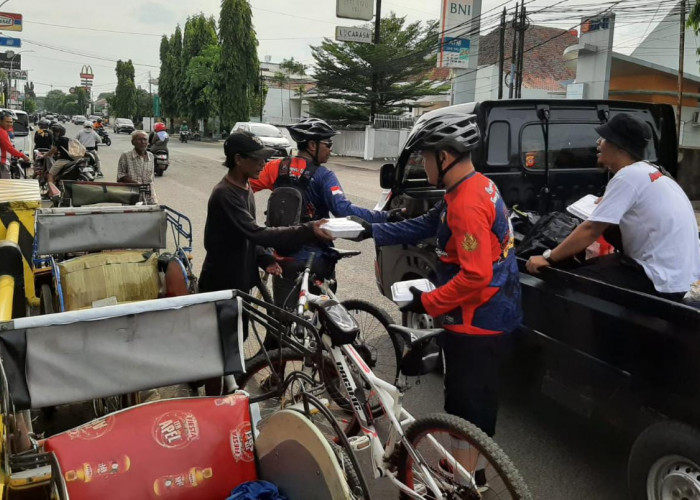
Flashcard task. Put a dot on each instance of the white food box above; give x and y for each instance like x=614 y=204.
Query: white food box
x=401 y=293
x=343 y=228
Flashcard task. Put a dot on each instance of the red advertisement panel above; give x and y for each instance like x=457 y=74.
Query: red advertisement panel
x=186 y=448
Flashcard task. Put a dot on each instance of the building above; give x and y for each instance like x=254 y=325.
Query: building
x=285 y=101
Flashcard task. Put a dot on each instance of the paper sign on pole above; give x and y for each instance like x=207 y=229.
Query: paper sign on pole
x=455 y=33
x=355 y=9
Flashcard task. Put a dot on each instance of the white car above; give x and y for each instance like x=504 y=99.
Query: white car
x=22 y=131
x=270 y=136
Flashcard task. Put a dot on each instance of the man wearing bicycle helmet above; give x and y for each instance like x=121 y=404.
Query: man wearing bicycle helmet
x=478 y=296
x=322 y=195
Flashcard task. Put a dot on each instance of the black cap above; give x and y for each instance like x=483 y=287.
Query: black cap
x=247 y=144
x=627 y=132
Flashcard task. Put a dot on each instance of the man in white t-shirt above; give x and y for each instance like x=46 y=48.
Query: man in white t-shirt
x=656 y=220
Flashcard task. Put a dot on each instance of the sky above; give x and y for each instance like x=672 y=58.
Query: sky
x=285 y=28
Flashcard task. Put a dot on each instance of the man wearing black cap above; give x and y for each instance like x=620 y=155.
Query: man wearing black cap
x=656 y=220
x=234 y=242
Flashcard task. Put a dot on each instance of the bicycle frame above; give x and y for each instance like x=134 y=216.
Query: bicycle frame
x=391 y=400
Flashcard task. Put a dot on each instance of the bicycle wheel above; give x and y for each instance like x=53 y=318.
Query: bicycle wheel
x=256 y=333
x=271 y=378
x=493 y=475
x=379 y=347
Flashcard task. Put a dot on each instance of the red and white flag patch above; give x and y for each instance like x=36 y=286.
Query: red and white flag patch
x=336 y=190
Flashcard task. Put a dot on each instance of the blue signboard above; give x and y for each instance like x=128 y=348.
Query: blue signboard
x=456 y=52
x=6 y=41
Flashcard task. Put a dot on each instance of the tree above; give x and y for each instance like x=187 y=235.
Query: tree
x=239 y=66
x=55 y=100
x=144 y=104
x=124 y=104
x=401 y=62
x=81 y=98
x=201 y=84
x=199 y=33
x=293 y=67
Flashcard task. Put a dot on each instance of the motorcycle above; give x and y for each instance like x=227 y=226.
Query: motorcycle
x=184 y=135
x=161 y=161
x=18 y=168
x=104 y=135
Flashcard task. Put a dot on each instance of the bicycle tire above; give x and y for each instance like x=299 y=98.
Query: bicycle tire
x=252 y=344
x=352 y=475
x=271 y=396
x=501 y=475
x=381 y=355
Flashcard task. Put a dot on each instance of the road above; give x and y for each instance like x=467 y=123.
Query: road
x=560 y=455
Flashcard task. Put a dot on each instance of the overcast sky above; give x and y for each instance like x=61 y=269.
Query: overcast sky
x=285 y=28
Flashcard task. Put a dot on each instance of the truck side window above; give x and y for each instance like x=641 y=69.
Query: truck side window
x=498 y=144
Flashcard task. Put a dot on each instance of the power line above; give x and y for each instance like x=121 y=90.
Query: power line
x=93 y=29
x=82 y=54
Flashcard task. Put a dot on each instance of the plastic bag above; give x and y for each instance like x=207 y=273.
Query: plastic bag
x=548 y=232
x=256 y=490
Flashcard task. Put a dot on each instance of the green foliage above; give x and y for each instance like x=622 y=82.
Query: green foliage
x=293 y=67
x=55 y=100
x=29 y=105
x=199 y=33
x=201 y=83
x=124 y=102
x=401 y=62
x=144 y=104
x=58 y=101
x=239 y=68
x=257 y=101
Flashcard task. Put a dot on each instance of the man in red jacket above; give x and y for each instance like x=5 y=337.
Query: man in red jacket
x=7 y=150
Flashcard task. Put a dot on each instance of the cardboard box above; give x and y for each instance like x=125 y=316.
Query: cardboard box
x=128 y=276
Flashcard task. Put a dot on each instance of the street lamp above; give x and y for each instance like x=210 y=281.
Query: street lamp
x=12 y=60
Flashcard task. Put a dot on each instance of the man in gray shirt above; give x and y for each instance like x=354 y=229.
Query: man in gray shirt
x=90 y=139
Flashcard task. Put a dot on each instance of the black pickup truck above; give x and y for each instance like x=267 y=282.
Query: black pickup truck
x=606 y=352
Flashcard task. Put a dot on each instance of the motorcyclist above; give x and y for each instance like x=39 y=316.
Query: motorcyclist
x=184 y=127
x=60 y=148
x=158 y=139
x=7 y=150
x=90 y=139
x=478 y=294
x=323 y=196
x=43 y=138
x=97 y=126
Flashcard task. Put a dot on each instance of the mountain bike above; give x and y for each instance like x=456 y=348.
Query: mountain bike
x=319 y=372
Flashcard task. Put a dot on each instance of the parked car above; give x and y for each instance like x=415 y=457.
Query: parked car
x=78 y=119
x=605 y=352
x=270 y=136
x=123 y=125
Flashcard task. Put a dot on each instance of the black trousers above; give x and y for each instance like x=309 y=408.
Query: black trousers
x=472 y=366
x=619 y=270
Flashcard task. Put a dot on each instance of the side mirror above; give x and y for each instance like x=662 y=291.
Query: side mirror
x=386 y=176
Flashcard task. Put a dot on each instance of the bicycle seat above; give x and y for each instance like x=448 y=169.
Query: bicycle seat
x=338 y=253
x=415 y=335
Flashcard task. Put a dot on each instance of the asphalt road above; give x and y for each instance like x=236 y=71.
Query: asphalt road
x=560 y=456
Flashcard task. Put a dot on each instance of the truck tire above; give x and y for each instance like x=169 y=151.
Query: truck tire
x=665 y=462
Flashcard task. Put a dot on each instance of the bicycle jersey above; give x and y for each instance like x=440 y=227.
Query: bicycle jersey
x=477 y=275
x=323 y=192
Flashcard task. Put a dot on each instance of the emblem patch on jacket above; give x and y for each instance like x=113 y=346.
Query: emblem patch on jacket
x=469 y=243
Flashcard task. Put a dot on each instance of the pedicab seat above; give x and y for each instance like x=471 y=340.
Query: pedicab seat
x=92 y=229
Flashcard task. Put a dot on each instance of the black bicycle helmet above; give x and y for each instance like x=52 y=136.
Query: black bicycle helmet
x=311 y=129
x=454 y=130
x=43 y=123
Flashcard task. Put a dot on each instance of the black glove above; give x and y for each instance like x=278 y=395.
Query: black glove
x=395 y=215
x=416 y=305
x=366 y=228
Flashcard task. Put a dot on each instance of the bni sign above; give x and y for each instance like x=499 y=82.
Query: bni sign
x=455 y=32
x=350 y=34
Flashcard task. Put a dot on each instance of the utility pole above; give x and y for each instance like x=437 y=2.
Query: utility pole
x=521 y=48
x=501 y=52
x=262 y=94
x=513 y=55
x=681 y=54
x=375 y=77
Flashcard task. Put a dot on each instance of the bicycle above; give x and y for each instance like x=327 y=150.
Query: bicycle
x=434 y=456
x=376 y=341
